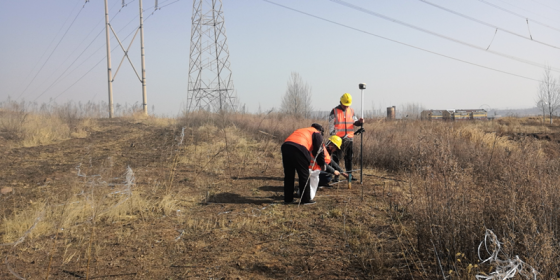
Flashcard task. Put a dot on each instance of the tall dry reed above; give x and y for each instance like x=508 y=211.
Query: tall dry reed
x=464 y=181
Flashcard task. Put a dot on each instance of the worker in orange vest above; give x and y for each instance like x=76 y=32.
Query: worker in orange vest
x=332 y=168
x=341 y=123
x=298 y=152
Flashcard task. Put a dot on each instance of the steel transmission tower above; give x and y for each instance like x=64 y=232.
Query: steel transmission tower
x=210 y=83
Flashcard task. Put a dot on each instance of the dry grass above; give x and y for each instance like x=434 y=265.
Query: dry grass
x=464 y=180
x=443 y=185
x=28 y=124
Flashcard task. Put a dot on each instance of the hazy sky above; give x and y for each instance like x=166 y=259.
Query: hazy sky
x=441 y=54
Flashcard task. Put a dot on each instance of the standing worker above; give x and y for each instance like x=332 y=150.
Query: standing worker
x=341 y=123
x=298 y=153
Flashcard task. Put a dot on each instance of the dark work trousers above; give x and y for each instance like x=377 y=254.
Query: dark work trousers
x=294 y=160
x=348 y=153
x=325 y=178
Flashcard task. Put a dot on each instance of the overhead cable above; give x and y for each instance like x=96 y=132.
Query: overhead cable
x=490 y=25
x=509 y=2
x=398 y=42
x=552 y=8
x=83 y=76
x=518 y=15
x=52 y=52
x=50 y=44
x=59 y=78
x=343 y=3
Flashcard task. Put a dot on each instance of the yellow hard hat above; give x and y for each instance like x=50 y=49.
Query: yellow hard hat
x=337 y=141
x=346 y=99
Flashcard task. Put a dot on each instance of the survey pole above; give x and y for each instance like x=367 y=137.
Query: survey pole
x=109 y=75
x=144 y=93
x=362 y=86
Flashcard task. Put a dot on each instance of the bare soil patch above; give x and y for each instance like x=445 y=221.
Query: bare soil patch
x=221 y=221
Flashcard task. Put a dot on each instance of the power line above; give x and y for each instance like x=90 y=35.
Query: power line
x=508 y=3
x=546 y=5
x=488 y=24
x=88 y=46
x=518 y=15
x=59 y=78
x=50 y=44
x=79 y=78
x=340 y=2
x=48 y=58
x=68 y=57
x=398 y=42
x=104 y=57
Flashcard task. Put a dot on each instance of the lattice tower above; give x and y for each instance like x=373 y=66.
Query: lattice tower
x=210 y=81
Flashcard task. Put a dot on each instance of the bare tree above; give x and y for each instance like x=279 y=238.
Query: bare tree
x=297 y=99
x=548 y=96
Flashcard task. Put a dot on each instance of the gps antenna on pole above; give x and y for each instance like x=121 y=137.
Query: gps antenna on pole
x=362 y=86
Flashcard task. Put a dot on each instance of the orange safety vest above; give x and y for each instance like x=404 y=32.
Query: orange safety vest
x=327 y=159
x=303 y=136
x=344 y=122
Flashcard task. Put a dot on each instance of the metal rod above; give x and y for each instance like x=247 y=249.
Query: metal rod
x=362 y=87
x=362 y=144
x=353 y=170
x=125 y=54
x=342 y=181
x=109 y=78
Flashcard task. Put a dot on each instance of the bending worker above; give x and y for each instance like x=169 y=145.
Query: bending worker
x=298 y=152
x=332 y=168
x=341 y=123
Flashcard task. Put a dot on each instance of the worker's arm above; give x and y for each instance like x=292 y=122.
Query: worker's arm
x=358 y=122
x=317 y=141
x=330 y=169
x=335 y=166
x=332 y=131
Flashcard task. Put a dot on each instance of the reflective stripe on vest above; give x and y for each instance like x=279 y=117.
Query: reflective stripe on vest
x=344 y=123
x=304 y=137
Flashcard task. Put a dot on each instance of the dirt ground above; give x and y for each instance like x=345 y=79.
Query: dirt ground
x=225 y=222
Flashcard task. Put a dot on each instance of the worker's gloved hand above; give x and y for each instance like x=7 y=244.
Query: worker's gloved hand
x=336 y=173
x=361 y=130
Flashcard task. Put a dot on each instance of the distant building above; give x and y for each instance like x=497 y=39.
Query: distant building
x=454 y=115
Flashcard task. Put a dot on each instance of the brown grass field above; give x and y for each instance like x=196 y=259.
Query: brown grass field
x=201 y=197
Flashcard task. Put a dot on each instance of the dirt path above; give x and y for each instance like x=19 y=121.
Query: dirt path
x=218 y=227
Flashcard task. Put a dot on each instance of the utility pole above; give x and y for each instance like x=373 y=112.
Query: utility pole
x=144 y=93
x=109 y=75
x=210 y=84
